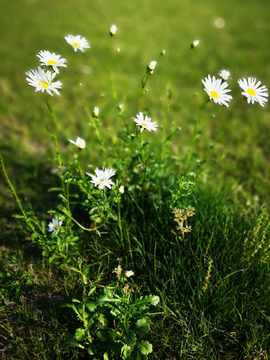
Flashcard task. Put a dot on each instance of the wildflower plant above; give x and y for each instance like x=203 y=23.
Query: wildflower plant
x=114 y=323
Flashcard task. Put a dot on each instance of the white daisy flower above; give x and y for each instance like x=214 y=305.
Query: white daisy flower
x=54 y=226
x=216 y=90
x=77 y=42
x=80 y=143
x=51 y=59
x=195 y=43
x=129 y=273
x=43 y=81
x=224 y=74
x=113 y=30
x=253 y=92
x=96 y=111
x=103 y=178
x=145 y=123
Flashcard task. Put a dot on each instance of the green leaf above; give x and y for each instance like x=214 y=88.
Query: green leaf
x=91 y=349
x=18 y=216
x=126 y=352
x=142 y=326
x=151 y=299
x=145 y=347
x=72 y=306
x=104 y=298
x=80 y=334
x=70 y=341
x=75 y=300
x=103 y=334
x=91 y=306
x=130 y=338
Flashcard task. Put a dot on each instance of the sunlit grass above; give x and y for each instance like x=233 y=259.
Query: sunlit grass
x=213 y=283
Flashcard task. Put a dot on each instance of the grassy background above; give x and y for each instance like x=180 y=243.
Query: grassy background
x=237 y=139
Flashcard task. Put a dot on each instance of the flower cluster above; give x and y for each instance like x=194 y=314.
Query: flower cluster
x=217 y=90
x=42 y=78
x=180 y=217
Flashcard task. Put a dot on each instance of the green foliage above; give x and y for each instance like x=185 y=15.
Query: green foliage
x=114 y=323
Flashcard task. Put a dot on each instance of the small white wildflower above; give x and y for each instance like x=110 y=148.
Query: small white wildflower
x=129 y=273
x=216 y=90
x=113 y=30
x=224 y=74
x=51 y=59
x=102 y=178
x=152 y=66
x=80 y=143
x=43 y=81
x=54 y=226
x=77 y=42
x=121 y=189
x=253 y=92
x=195 y=43
x=145 y=123
x=96 y=111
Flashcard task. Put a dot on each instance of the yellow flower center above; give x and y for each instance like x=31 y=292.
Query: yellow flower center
x=214 y=94
x=144 y=124
x=101 y=180
x=251 y=92
x=44 y=84
x=56 y=227
x=75 y=44
x=51 y=62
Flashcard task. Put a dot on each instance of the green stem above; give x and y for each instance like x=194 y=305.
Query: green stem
x=28 y=222
x=83 y=310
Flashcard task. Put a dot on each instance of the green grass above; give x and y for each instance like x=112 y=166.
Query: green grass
x=224 y=317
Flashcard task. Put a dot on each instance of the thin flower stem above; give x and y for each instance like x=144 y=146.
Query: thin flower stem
x=120 y=223
x=94 y=123
x=83 y=308
x=28 y=222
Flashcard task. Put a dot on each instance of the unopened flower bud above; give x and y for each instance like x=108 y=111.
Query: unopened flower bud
x=113 y=30
x=152 y=66
x=194 y=44
x=121 y=189
x=96 y=111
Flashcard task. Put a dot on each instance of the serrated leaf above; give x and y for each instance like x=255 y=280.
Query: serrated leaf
x=130 y=338
x=70 y=341
x=142 y=326
x=145 y=347
x=80 y=334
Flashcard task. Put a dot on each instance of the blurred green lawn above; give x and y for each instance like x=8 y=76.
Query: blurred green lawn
x=240 y=133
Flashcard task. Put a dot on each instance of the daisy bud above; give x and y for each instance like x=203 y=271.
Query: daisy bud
x=121 y=189
x=113 y=30
x=194 y=44
x=96 y=111
x=152 y=65
x=129 y=273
